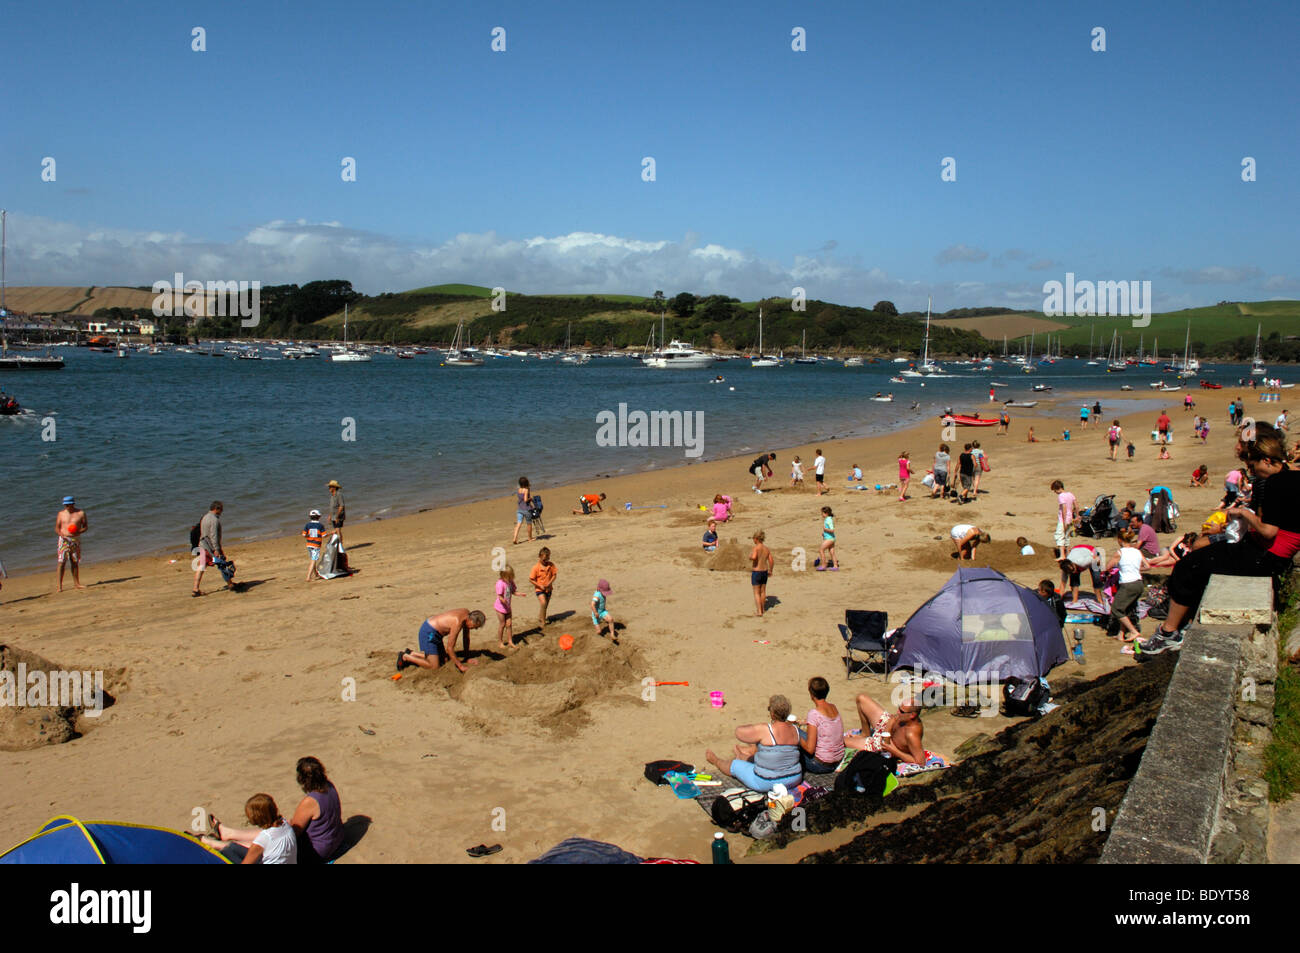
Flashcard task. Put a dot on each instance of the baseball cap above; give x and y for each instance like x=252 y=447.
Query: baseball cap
x=314 y=513
x=603 y=585
x=67 y=500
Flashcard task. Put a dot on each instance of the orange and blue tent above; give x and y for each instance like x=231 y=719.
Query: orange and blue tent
x=66 y=840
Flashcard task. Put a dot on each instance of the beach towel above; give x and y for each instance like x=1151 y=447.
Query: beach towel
x=933 y=762
x=1087 y=604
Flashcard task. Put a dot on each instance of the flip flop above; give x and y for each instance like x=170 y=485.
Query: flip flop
x=482 y=850
x=401 y=659
x=195 y=594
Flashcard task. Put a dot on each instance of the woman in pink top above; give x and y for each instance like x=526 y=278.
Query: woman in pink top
x=505 y=589
x=904 y=475
x=821 y=740
x=721 y=508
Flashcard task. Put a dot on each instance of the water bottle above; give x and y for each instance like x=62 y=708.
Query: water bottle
x=721 y=854
x=1078 y=646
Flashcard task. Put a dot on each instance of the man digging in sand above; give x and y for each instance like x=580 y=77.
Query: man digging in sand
x=437 y=640
x=898 y=735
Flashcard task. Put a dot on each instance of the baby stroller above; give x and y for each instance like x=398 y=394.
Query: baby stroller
x=1095 y=520
x=535 y=513
x=1161 y=512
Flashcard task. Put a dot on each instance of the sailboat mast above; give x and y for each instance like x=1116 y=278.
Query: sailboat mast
x=925 y=356
x=4 y=236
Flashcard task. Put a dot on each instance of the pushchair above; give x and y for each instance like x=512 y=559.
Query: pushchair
x=1161 y=512
x=535 y=513
x=1095 y=520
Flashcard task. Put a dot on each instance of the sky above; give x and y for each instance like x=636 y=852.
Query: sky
x=774 y=168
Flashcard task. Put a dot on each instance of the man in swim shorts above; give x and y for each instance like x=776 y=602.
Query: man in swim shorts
x=437 y=640
x=69 y=524
x=761 y=563
x=898 y=735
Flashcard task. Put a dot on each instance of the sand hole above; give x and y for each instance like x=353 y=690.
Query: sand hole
x=45 y=703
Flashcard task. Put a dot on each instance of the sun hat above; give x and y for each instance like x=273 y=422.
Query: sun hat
x=603 y=585
x=67 y=500
x=334 y=484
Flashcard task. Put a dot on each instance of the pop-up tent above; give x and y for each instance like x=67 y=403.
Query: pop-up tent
x=981 y=627
x=66 y=840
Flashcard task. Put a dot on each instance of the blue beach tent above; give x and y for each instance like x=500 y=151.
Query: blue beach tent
x=66 y=840
x=979 y=627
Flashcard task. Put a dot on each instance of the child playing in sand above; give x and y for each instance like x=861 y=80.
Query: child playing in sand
x=721 y=508
x=543 y=579
x=505 y=589
x=855 y=474
x=904 y=475
x=1200 y=476
x=796 y=472
x=827 y=549
x=1164 y=452
x=761 y=563
x=589 y=503
x=1023 y=545
x=314 y=531
x=711 y=537
x=1030 y=438
x=600 y=616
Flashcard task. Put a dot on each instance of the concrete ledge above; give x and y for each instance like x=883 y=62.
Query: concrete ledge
x=1233 y=600
x=1170 y=812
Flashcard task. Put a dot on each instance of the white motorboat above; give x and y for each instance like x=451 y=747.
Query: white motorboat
x=676 y=354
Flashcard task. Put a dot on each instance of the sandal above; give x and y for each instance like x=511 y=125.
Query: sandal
x=401 y=659
x=195 y=594
x=214 y=826
x=482 y=850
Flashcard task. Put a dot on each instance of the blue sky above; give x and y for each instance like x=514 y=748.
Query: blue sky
x=773 y=167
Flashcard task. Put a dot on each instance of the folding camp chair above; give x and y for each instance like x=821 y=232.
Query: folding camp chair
x=865 y=651
x=535 y=514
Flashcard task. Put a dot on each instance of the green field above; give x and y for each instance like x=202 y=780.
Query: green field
x=476 y=291
x=1211 y=326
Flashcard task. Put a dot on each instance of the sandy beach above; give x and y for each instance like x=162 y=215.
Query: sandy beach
x=215 y=698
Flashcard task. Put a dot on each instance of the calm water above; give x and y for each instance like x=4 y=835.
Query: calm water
x=147 y=442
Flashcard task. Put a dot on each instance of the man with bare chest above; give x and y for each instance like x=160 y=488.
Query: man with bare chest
x=898 y=735
x=69 y=525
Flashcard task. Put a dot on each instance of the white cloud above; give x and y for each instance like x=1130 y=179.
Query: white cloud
x=46 y=252
x=960 y=253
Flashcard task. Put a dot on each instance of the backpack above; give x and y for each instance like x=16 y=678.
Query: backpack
x=195 y=535
x=1023 y=697
x=866 y=774
x=655 y=770
x=534 y=506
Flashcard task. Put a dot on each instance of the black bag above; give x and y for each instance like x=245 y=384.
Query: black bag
x=866 y=774
x=655 y=770
x=195 y=535
x=730 y=817
x=1020 y=698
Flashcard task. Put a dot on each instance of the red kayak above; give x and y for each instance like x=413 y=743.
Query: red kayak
x=964 y=420
x=1208 y=386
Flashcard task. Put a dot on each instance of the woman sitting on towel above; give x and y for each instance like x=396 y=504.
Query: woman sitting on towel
x=821 y=740
x=770 y=753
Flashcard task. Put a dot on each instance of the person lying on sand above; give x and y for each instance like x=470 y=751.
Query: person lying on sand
x=437 y=640
x=769 y=753
x=899 y=735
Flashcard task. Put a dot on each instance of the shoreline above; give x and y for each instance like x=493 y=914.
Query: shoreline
x=1053 y=410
